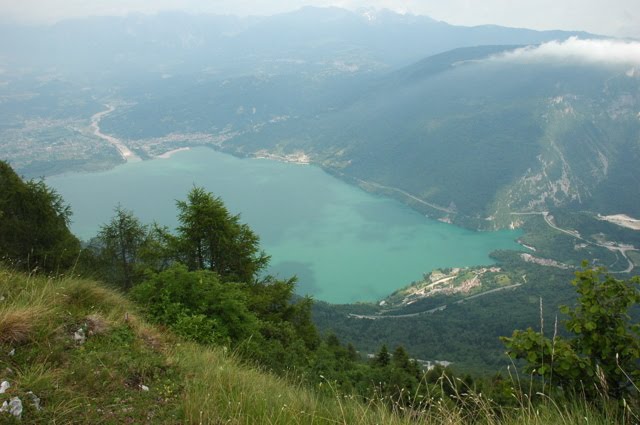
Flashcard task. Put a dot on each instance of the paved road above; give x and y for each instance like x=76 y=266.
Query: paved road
x=616 y=248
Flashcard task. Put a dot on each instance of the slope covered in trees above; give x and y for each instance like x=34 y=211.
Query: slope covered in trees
x=480 y=135
x=34 y=221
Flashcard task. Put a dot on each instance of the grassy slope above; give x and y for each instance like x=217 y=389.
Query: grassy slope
x=101 y=381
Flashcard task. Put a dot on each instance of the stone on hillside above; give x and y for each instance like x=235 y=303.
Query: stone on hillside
x=35 y=400
x=13 y=407
x=79 y=336
x=4 y=386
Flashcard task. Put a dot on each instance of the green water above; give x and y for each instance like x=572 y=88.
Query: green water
x=344 y=244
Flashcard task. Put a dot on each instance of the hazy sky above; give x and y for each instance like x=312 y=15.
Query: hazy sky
x=611 y=17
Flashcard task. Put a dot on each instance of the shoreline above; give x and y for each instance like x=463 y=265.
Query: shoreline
x=168 y=154
x=299 y=157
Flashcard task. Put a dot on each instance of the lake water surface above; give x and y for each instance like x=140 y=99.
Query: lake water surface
x=344 y=244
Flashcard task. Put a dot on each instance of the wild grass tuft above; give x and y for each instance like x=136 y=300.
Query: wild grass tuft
x=17 y=324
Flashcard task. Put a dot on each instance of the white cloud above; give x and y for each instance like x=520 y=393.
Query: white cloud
x=605 y=52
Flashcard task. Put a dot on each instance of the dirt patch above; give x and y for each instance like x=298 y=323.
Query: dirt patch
x=622 y=220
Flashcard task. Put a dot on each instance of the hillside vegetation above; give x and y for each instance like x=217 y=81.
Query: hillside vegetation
x=146 y=324
x=88 y=356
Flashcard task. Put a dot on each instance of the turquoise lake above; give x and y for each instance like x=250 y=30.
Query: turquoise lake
x=344 y=244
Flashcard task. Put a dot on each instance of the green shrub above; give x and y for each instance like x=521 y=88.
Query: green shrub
x=602 y=356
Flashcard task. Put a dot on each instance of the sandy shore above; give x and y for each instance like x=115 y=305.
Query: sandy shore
x=168 y=154
x=293 y=158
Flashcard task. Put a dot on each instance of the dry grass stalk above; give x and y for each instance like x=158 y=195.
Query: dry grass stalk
x=17 y=324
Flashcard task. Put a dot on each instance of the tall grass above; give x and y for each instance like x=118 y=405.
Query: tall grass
x=102 y=380
x=221 y=391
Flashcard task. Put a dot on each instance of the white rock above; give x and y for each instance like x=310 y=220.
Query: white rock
x=144 y=387
x=12 y=352
x=4 y=386
x=13 y=406
x=79 y=336
x=35 y=400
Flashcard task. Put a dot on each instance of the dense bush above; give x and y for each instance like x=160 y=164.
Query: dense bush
x=197 y=305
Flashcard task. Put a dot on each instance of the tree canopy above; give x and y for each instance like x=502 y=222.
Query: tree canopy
x=211 y=238
x=121 y=241
x=34 y=222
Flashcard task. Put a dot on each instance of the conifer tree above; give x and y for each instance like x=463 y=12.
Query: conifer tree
x=121 y=241
x=211 y=238
x=383 y=358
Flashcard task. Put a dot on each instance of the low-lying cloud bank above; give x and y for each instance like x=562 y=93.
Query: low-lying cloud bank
x=604 y=52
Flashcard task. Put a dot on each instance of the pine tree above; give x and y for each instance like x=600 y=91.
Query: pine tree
x=121 y=241
x=383 y=358
x=211 y=238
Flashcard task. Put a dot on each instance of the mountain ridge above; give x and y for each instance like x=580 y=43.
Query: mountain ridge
x=189 y=43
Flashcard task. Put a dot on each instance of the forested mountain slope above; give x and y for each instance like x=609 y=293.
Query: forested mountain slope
x=470 y=135
x=480 y=136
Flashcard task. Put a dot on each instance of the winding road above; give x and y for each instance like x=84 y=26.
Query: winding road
x=395 y=189
x=622 y=249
